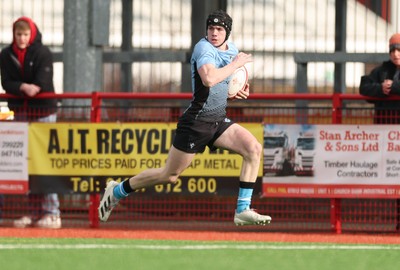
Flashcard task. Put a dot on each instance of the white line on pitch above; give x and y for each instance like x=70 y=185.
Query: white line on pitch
x=200 y=247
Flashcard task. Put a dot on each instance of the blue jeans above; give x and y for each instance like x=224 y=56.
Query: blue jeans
x=50 y=203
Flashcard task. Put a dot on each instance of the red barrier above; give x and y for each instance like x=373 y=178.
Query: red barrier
x=289 y=214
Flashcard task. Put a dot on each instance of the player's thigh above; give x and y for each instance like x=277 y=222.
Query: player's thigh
x=177 y=161
x=236 y=138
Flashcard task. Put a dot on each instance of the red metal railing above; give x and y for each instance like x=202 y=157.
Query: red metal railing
x=278 y=108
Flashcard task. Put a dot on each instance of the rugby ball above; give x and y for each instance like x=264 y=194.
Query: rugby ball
x=238 y=81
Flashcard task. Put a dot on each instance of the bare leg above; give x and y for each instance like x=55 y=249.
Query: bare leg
x=176 y=163
x=238 y=139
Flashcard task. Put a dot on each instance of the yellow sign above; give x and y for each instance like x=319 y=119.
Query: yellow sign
x=111 y=149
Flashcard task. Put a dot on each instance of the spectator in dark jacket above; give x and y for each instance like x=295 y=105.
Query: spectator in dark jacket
x=27 y=70
x=383 y=82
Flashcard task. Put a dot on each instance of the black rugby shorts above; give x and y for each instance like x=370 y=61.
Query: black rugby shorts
x=192 y=136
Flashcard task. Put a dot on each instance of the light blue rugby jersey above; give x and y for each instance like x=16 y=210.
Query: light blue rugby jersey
x=209 y=103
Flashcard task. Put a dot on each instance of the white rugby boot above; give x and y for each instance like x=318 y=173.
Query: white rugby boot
x=108 y=202
x=251 y=217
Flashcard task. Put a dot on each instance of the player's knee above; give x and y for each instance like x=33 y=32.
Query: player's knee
x=173 y=178
x=255 y=150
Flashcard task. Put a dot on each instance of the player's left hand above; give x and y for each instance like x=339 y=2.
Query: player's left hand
x=243 y=94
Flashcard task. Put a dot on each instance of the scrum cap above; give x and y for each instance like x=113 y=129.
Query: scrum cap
x=220 y=18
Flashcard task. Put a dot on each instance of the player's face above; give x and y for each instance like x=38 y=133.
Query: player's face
x=216 y=34
x=22 y=38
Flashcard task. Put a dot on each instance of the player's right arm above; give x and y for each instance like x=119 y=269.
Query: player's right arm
x=210 y=75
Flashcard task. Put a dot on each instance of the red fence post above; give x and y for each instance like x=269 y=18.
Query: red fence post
x=95 y=117
x=93 y=214
x=95 y=110
x=336 y=109
x=336 y=216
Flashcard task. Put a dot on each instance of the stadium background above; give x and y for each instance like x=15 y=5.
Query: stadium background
x=142 y=47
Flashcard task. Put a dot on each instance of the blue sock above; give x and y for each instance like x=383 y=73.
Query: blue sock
x=119 y=191
x=244 y=199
